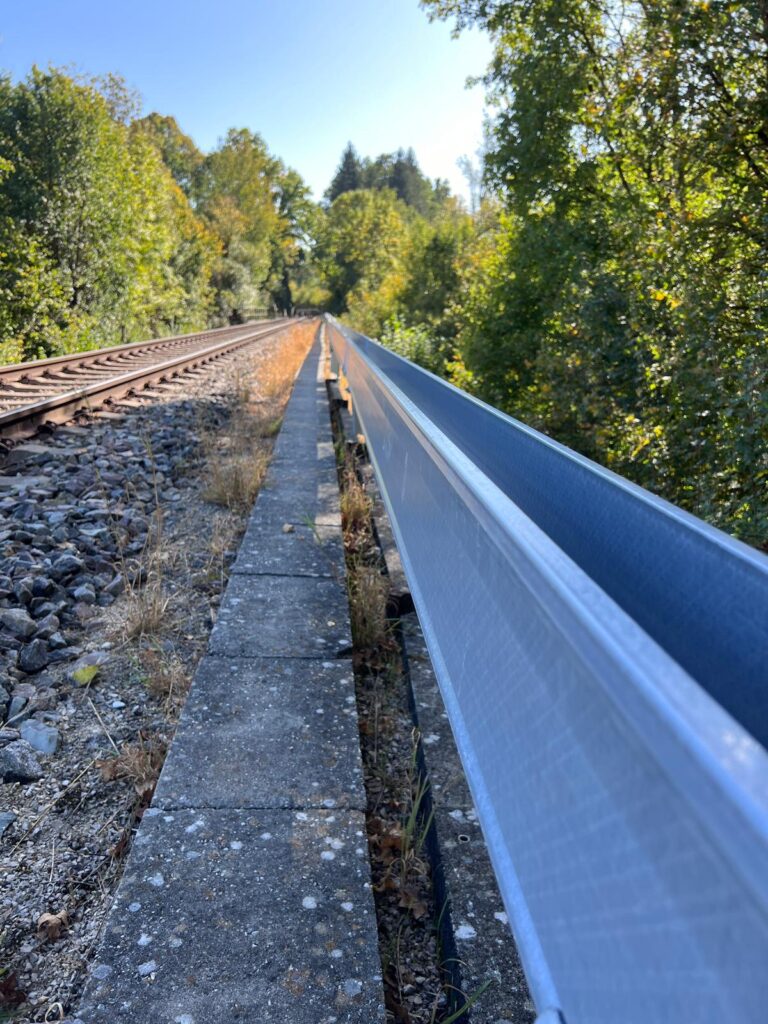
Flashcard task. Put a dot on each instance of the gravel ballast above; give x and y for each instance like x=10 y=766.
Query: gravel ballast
x=112 y=563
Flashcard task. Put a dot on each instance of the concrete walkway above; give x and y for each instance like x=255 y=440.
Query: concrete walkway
x=247 y=893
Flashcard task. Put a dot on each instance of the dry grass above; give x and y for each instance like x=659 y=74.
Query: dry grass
x=235 y=481
x=271 y=428
x=226 y=528
x=368 y=591
x=356 y=508
x=276 y=377
x=165 y=676
x=146 y=611
x=138 y=762
x=237 y=453
x=367 y=586
x=235 y=459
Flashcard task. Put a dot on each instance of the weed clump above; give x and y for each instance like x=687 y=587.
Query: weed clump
x=146 y=612
x=235 y=481
x=138 y=762
x=368 y=591
x=367 y=585
x=356 y=509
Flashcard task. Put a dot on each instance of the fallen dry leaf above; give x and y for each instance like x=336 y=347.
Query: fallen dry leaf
x=387 y=884
x=50 y=926
x=391 y=841
x=410 y=900
x=110 y=768
x=10 y=993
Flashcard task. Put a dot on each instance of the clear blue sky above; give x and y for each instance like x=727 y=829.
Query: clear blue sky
x=308 y=75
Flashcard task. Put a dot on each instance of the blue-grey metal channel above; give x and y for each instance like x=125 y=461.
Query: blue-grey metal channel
x=602 y=656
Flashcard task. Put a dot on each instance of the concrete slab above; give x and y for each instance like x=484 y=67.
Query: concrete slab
x=295 y=439
x=302 y=460
x=307 y=379
x=282 y=617
x=300 y=496
x=266 y=733
x=307 y=428
x=226 y=916
x=302 y=551
x=306 y=406
x=318 y=460
x=304 y=444
x=307 y=388
x=246 y=895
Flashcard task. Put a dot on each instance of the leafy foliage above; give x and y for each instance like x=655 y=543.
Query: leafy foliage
x=361 y=250
x=388 y=251
x=180 y=155
x=620 y=302
x=609 y=285
x=115 y=227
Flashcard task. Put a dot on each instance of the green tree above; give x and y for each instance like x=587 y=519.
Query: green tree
x=261 y=213
x=296 y=221
x=348 y=176
x=171 y=254
x=99 y=244
x=30 y=297
x=180 y=154
x=622 y=303
x=389 y=254
x=362 y=252
x=397 y=171
x=423 y=325
x=70 y=188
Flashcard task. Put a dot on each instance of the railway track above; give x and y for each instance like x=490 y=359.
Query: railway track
x=54 y=390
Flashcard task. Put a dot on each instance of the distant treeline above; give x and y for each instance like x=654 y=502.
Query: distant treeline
x=609 y=284
x=115 y=226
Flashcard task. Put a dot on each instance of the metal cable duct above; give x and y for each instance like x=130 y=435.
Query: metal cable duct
x=602 y=659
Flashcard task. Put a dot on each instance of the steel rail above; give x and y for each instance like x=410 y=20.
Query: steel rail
x=36 y=368
x=58 y=408
x=624 y=806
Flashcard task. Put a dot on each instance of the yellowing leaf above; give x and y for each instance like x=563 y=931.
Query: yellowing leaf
x=85 y=675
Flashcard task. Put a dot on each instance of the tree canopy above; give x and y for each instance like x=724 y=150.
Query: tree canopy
x=115 y=227
x=621 y=304
x=398 y=171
